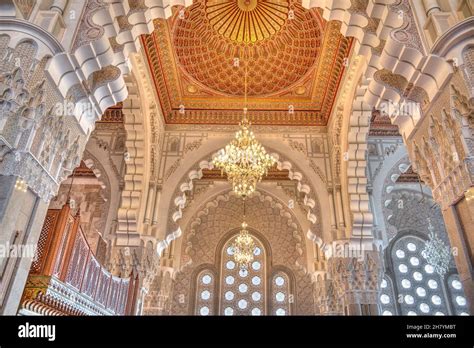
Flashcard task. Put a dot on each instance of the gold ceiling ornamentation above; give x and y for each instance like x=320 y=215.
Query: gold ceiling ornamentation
x=294 y=74
x=247 y=21
x=273 y=174
x=206 y=47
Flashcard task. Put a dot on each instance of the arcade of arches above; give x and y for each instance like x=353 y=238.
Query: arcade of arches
x=112 y=111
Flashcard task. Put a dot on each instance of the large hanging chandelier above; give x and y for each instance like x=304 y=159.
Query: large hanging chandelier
x=437 y=253
x=243 y=247
x=244 y=160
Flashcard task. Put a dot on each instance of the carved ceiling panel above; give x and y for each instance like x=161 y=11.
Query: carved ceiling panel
x=273 y=175
x=409 y=176
x=294 y=62
x=380 y=125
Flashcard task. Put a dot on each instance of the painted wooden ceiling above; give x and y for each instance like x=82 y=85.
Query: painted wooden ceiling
x=289 y=58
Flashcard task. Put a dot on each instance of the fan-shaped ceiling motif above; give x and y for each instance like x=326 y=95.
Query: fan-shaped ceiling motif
x=293 y=58
x=247 y=20
x=278 y=51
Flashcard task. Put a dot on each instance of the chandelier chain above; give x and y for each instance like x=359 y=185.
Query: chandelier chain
x=244 y=117
x=244 y=159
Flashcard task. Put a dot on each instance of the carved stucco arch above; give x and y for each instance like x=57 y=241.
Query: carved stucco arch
x=396 y=69
x=108 y=34
x=135 y=170
x=392 y=167
x=381 y=30
x=392 y=66
x=94 y=161
x=294 y=173
x=105 y=171
x=454 y=42
x=189 y=167
x=219 y=216
x=349 y=129
x=143 y=130
x=91 y=161
x=45 y=143
x=179 y=197
x=19 y=31
x=387 y=191
x=254 y=221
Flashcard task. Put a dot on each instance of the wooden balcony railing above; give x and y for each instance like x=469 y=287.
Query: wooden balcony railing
x=67 y=279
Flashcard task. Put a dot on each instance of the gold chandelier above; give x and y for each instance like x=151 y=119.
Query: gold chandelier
x=243 y=247
x=244 y=159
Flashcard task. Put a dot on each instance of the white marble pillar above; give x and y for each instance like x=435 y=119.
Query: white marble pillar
x=156 y=207
x=340 y=210
x=431 y=6
x=149 y=204
x=437 y=21
x=22 y=215
x=7 y=8
x=332 y=212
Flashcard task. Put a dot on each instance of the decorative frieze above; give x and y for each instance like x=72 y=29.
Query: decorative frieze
x=42 y=143
x=442 y=148
x=356 y=280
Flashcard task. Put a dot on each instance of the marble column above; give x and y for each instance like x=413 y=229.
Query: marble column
x=431 y=6
x=149 y=204
x=156 y=207
x=437 y=21
x=7 y=8
x=332 y=212
x=40 y=145
x=22 y=214
x=341 y=226
x=59 y=6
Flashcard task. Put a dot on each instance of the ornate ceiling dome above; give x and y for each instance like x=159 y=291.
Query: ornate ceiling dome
x=279 y=39
x=247 y=20
x=295 y=63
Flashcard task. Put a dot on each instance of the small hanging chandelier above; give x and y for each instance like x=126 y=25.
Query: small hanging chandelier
x=244 y=159
x=243 y=247
x=437 y=253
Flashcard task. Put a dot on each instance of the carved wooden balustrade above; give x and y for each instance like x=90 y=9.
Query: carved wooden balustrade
x=66 y=279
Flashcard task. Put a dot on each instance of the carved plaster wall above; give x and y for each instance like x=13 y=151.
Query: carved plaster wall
x=308 y=176
x=441 y=147
x=39 y=141
x=221 y=214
